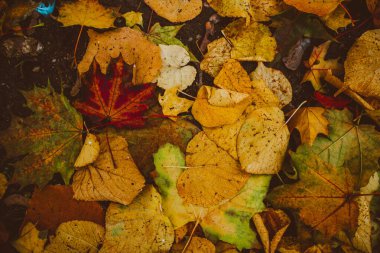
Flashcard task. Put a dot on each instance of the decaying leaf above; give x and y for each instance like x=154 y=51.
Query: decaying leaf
x=271 y=225
x=176 y=10
x=216 y=107
x=197 y=245
x=318 y=7
x=362 y=65
x=174 y=73
x=86 y=13
x=55 y=204
x=114 y=101
x=113 y=176
x=319 y=67
x=45 y=146
x=133 y=18
x=262 y=141
x=336 y=19
x=310 y=122
x=30 y=240
x=218 y=52
x=254 y=10
x=89 y=152
x=253 y=42
x=371 y=5
x=212 y=175
x=276 y=82
x=138 y=227
x=76 y=236
x=172 y=105
x=3 y=184
x=134 y=48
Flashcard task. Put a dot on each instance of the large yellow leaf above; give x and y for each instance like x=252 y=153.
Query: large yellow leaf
x=133 y=46
x=213 y=175
x=176 y=10
x=318 y=7
x=253 y=42
x=76 y=236
x=31 y=240
x=218 y=52
x=216 y=107
x=262 y=141
x=138 y=227
x=310 y=122
x=362 y=66
x=113 y=176
x=87 y=13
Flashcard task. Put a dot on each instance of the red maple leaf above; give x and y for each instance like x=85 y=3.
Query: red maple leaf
x=114 y=101
x=332 y=102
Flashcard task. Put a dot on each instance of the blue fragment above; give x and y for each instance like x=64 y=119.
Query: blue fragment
x=45 y=10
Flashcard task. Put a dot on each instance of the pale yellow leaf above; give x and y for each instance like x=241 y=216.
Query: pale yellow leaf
x=89 y=152
x=172 y=105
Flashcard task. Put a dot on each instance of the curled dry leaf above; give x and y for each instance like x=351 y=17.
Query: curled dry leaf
x=138 y=227
x=197 y=245
x=271 y=225
x=3 y=184
x=310 y=122
x=262 y=141
x=253 y=42
x=212 y=175
x=317 y=7
x=276 y=82
x=174 y=73
x=55 y=204
x=89 y=152
x=86 y=13
x=176 y=10
x=218 y=52
x=172 y=105
x=362 y=66
x=134 y=48
x=76 y=236
x=30 y=240
x=216 y=107
x=114 y=176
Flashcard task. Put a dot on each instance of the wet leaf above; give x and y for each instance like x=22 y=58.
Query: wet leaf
x=111 y=101
x=30 y=240
x=310 y=122
x=76 y=236
x=45 y=142
x=318 y=7
x=218 y=52
x=134 y=48
x=113 y=176
x=176 y=10
x=54 y=204
x=138 y=227
x=172 y=105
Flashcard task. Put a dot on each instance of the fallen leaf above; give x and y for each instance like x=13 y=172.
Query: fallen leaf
x=253 y=42
x=197 y=245
x=336 y=19
x=113 y=176
x=362 y=65
x=54 y=204
x=319 y=248
x=318 y=66
x=138 y=227
x=172 y=105
x=166 y=35
x=292 y=60
x=262 y=141
x=276 y=81
x=254 y=10
x=332 y=102
x=89 y=152
x=355 y=147
x=133 y=18
x=175 y=73
x=371 y=5
x=3 y=184
x=323 y=195
x=30 y=240
x=218 y=52
x=212 y=175
x=271 y=225
x=86 y=13
x=176 y=10
x=76 y=236
x=216 y=107
x=134 y=48
x=180 y=233
x=111 y=101
x=317 y=7
x=310 y=122
x=44 y=147
x=374 y=115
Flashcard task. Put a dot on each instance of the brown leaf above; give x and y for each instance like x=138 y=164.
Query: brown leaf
x=55 y=204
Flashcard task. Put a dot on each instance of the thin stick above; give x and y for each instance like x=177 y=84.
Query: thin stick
x=191 y=235
x=76 y=46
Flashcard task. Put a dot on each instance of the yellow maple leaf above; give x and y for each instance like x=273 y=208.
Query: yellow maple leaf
x=317 y=7
x=310 y=122
x=172 y=105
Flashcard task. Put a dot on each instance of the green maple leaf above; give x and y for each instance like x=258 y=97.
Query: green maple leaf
x=48 y=141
